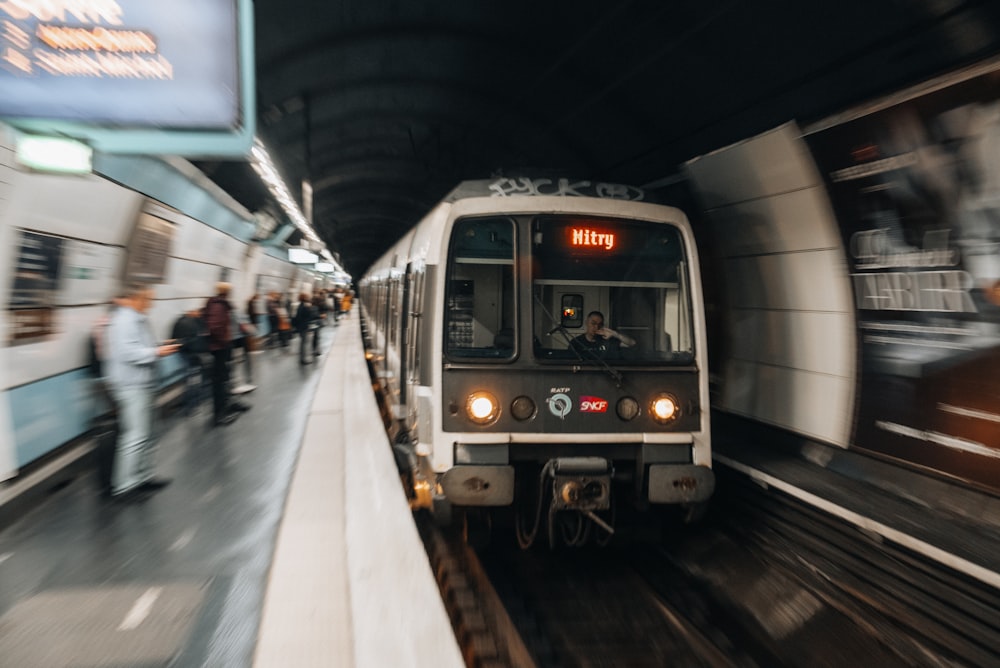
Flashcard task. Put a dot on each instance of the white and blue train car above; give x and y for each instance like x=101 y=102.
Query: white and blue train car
x=69 y=244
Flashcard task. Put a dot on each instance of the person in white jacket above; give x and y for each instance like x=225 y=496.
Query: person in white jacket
x=130 y=372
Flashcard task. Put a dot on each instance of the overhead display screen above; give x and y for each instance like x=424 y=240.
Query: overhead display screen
x=121 y=63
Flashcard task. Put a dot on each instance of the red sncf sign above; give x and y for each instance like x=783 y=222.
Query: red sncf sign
x=593 y=405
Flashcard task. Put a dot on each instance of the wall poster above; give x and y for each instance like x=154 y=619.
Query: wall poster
x=915 y=184
x=31 y=304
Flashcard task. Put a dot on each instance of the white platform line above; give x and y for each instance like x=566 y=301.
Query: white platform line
x=140 y=609
x=183 y=540
x=957 y=563
x=5 y=556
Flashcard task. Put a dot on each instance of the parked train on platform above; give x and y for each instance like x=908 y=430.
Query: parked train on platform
x=476 y=323
x=70 y=243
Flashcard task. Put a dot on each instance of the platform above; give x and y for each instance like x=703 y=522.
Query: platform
x=284 y=540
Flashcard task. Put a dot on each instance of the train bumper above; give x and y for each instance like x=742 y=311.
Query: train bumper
x=680 y=483
x=479 y=485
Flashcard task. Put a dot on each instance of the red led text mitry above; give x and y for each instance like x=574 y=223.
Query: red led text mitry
x=585 y=237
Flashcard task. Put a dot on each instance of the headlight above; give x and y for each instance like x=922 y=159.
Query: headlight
x=664 y=408
x=523 y=408
x=627 y=408
x=482 y=407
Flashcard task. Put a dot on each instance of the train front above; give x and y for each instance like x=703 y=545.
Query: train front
x=574 y=372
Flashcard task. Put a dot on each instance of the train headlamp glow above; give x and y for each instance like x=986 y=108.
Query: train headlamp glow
x=664 y=408
x=482 y=407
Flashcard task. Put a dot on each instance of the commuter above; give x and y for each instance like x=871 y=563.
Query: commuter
x=130 y=369
x=98 y=345
x=303 y=322
x=253 y=313
x=338 y=303
x=277 y=319
x=285 y=328
x=273 y=320
x=320 y=309
x=191 y=333
x=218 y=319
x=105 y=424
x=242 y=333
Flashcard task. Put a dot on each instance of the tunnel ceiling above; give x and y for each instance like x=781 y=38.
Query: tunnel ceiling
x=384 y=105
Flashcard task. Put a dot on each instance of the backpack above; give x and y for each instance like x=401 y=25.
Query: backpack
x=93 y=359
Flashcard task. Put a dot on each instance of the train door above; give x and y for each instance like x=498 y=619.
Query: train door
x=409 y=364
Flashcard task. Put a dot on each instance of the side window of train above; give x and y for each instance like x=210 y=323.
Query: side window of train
x=480 y=311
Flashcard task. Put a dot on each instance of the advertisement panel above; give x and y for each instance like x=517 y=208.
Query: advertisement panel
x=915 y=184
x=32 y=300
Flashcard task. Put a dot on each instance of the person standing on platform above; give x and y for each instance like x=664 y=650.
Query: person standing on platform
x=242 y=333
x=320 y=310
x=303 y=322
x=253 y=312
x=190 y=332
x=218 y=318
x=130 y=370
x=278 y=321
x=338 y=296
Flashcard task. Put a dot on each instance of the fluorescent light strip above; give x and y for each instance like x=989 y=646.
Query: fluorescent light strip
x=264 y=166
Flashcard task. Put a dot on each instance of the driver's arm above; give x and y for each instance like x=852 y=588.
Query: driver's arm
x=625 y=339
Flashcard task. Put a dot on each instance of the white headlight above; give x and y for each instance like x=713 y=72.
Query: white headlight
x=664 y=408
x=482 y=407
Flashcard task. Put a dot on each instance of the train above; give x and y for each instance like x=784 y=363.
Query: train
x=70 y=243
x=497 y=395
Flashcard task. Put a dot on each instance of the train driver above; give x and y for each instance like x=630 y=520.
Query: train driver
x=597 y=338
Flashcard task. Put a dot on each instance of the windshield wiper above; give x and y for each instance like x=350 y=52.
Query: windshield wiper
x=591 y=355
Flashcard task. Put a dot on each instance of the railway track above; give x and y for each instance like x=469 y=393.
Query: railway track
x=926 y=613
x=765 y=581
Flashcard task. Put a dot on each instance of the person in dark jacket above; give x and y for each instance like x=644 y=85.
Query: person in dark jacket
x=320 y=309
x=192 y=335
x=303 y=319
x=218 y=319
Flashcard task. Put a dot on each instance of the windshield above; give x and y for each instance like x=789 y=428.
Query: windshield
x=608 y=289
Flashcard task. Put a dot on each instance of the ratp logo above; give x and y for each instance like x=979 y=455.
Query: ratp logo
x=593 y=405
x=560 y=405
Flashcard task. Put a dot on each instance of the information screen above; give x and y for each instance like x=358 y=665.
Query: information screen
x=121 y=63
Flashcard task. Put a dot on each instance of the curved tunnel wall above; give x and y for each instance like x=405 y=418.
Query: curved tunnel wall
x=788 y=313
x=859 y=261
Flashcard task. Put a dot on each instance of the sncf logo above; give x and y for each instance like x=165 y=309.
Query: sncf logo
x=593 y=405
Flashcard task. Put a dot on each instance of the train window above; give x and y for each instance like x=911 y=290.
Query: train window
x=633 y=273
x=479 y=319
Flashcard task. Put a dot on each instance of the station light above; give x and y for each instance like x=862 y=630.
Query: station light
x=54 y=154
x=301 y=256
x=261 y=162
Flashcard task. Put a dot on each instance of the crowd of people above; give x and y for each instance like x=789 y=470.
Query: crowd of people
x=124 y=359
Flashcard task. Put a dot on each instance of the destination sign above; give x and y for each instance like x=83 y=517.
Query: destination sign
x=121 y=63
x=584 y=237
